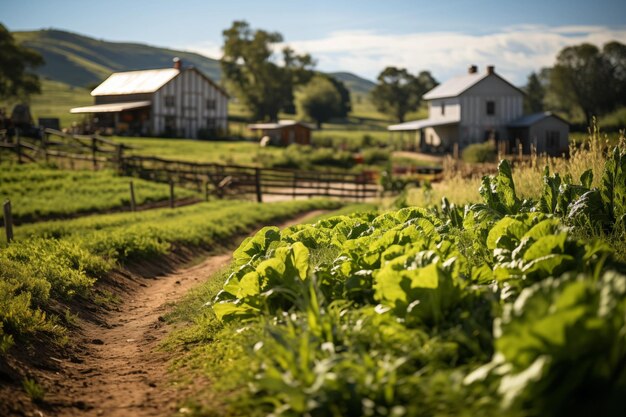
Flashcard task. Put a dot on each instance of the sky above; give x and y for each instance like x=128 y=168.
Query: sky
x=363 y=37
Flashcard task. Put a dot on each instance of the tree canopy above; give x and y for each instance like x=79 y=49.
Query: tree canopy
x=320 y=100
x=263 y=84
x=535 y=94
x=16 y=81
x=593 y=79
x=398 y=92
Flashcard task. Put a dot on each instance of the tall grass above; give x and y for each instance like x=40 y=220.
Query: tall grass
x=461 y=186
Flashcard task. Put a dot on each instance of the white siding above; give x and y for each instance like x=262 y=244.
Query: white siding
x=191 y=92
x=475 y=121
x=452 y=109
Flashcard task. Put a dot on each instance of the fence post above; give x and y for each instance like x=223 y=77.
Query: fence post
x=171 y=194
x=44 y=145
x=257 y=183
x=294 y=185
x=119 y=155
x=93 y=153
x=8 y=220
x=206 y=191
x=133 y=206
x=18 y=144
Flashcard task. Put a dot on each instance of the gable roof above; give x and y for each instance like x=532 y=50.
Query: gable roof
x=456 y=86
x=420 y=124
x=531 y=119
x=279 y=125
x=135 y=82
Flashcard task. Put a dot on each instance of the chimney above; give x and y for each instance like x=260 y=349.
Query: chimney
x=472 y=69
x=178 y=64
x=491 y=69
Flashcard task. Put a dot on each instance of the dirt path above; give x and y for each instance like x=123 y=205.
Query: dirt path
x=119 y=371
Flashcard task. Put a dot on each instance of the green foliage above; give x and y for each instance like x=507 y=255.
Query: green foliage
x=320 y=100
x=54 y=262
x=247 y=65
x=35 y=391
x=40 y=191
x=479 y=152
x=491 y=309
x=15 y=80
x=590 y=78
x=398 y=92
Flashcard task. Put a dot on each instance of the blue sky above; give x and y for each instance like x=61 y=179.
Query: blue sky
x=357 y=36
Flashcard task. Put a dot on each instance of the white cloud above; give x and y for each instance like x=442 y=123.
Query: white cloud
x=515 y=52
x=206 y=48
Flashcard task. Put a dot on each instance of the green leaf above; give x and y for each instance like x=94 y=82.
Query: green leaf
x=508 y=226
x=586 y=178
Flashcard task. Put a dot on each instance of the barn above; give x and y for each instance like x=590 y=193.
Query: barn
x=480 y=106
x=172 y=102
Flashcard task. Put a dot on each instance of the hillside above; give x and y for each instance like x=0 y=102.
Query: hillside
x=353 y=82
x=81 y=61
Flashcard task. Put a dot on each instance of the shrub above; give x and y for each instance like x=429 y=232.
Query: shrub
x=479 y=152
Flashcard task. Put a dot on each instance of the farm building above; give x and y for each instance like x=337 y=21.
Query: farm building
x=477 y=107
x=284 y=132
x=175 y=102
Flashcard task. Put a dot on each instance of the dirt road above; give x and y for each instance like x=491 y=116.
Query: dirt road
x=119 y=371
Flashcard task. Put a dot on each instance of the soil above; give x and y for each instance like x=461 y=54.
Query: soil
x=115 y=367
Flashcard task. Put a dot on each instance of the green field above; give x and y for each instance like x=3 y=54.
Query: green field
x=506 y=307
x=39 y=191
x=52 y=263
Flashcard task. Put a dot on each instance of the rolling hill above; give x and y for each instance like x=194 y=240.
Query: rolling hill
x=81 y=61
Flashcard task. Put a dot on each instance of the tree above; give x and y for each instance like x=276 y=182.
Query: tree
x=586 y=76
x=535 y=94
x=399 y=92
x=250 y=68
x=346 y=103
x=15 y=62
x=320 y=100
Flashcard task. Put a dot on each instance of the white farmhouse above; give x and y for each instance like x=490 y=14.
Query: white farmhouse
x=477 y=107
x=173 y=102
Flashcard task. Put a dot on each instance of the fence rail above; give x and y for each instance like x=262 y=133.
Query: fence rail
x=211 y=178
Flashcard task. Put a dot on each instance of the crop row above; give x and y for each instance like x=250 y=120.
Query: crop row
x=489 y=309
x=40 y=191
x=53 y=262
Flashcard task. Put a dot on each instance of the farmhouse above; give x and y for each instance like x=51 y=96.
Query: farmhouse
x=477 y=107
x=284 y=132
x=174 y=102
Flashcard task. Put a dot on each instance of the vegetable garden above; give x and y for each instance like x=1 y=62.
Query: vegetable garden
x=505 y=307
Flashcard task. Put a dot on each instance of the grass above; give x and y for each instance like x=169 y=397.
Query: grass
x=528 y=176
x=56 y=100
x=39 y=191
x=51 y=263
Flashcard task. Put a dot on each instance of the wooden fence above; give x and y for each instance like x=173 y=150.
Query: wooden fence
x=212 y=179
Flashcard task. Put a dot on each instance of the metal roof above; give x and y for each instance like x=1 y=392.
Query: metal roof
x=420 y=124
x=531 y=119
x=279 y=125
x=455 y=86
x=135 y=82
x=112 y=107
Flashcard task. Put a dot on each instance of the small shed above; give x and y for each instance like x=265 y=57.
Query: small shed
x=546 y=131
x=284 y=132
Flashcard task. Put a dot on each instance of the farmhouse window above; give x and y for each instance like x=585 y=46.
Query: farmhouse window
x=491 y=108
x=552 y=139
x=211 y=104
x=170 y=101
